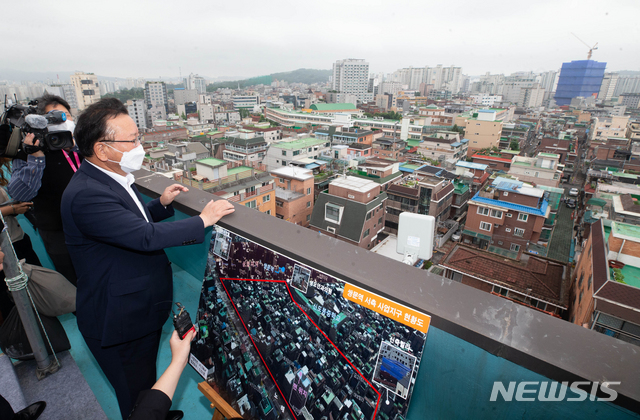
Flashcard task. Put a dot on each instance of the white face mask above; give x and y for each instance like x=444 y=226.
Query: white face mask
x=131 y=160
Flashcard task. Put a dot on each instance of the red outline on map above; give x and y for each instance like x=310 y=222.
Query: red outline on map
x=314 y=324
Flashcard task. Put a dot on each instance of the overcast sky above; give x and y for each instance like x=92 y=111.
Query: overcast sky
x=246 y=38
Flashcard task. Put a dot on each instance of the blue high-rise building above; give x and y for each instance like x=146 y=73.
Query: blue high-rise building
x=579 y=78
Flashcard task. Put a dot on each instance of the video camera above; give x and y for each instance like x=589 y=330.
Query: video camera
x=19 y=120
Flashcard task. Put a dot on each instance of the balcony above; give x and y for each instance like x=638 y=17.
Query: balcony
x=475 y=338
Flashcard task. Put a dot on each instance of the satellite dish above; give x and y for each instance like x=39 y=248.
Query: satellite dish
x=415 y=236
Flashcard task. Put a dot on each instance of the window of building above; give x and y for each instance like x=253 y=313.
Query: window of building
x=266 y=198
x=308 y=204
x=523 y=217
x=308 y=217
x=365 y=234
x=281 y=180
x=496 y=213
x=284 y=163
x=499 y=290
x=518 y=232
x=332 y=212
x=589 y=282
x=483 y=210
x=251 y=204
x=515 y=247
x=331 y=229
x=284 y=153
x=580 y=298
x=268 y=212
x=308 y=191
x=485 y=226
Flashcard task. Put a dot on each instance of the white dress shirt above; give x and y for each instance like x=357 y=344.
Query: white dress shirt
x=126 y=182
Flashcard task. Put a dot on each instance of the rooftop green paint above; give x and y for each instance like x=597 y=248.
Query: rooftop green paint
x=625 y=229
x=298 y=144
x=332 y=107
x=212 y=161
x=239 y=169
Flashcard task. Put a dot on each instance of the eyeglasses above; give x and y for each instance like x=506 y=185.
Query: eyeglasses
x=136 y=141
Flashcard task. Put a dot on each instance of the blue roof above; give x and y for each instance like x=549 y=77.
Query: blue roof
x=509 y=184
x=472 y=165
x=456 y=144
x=464 y=141
x=311 y=166
x=542 y=211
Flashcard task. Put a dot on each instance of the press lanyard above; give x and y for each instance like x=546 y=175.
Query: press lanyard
x=70 y=162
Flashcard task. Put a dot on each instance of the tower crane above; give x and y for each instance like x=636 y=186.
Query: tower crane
x=595 y=47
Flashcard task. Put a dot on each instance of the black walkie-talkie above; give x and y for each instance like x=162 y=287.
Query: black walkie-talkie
x=182 y=321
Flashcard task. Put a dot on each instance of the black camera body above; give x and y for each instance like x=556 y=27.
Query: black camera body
x=19 y=120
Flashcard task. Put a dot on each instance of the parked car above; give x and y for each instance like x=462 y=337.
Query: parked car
x=570 y=203
x=573 y=192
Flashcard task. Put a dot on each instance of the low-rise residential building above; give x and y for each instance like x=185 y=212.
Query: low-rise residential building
x=184 y=154
x=245 y=101
x=493 y=161
x=353 y=210
x=428 y=190
x=436 y=115
x=540 y=170
x=606 y=282
x=294 y=194
x=626 y=208
x=538 y=282
x=605 y=127
x=246 y=186
x=244 y=149
x=506 y=215
x=444 y=146
x=382 y=171
x=165 y=134
x=283 y=152
x=346 y=136
x=389 y=147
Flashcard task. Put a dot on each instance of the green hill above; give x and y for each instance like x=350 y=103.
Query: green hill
x=307 y=76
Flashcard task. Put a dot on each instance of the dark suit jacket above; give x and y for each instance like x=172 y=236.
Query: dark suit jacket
x=151 y=404
x=125 y=287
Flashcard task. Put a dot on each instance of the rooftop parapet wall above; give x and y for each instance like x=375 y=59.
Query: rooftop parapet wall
x=476 y=338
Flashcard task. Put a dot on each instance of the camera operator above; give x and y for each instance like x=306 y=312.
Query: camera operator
x=41 y=178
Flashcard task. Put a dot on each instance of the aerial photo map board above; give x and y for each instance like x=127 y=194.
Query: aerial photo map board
x=281 y=340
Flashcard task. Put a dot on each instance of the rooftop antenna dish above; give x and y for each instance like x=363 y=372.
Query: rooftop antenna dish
x=595 y=47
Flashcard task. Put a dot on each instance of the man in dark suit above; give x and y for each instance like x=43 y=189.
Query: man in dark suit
x=124 y=277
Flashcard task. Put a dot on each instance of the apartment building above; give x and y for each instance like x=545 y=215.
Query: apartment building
x=87 y=89
x=482 y=129
x=294 y=194
x=155 y=95
x=138 y=112
x=352 y=210
x=389 y=147
x=351 y=76
x=506 y=214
